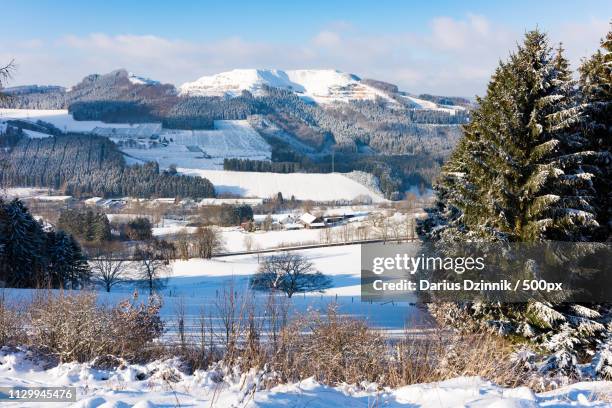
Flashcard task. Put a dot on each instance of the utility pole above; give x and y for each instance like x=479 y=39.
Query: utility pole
x=333 y=158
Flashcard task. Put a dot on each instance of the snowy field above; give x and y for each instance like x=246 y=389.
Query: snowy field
x=23 y=192
x=121 y=388
x=229 y=136
x=60 y=118
x=304 y=186
x=42 y=194
x=424 y=104
x=196 y=284
x=206 y=149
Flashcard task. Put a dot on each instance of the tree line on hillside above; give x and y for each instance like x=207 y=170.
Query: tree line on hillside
x=262 y=166
x=394 y=173
x=111 y=111
x=535 y=165
x=385 y=127
x=88 y=165
x=447 y=100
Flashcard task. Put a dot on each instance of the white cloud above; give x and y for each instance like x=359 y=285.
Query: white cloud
x=327 y=39
x=454 y=57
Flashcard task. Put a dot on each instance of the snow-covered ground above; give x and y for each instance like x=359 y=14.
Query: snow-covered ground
x=418 y=103
x=205 y=149
x=60 y=118
x=139 y=80
x=163 y=384
x=196 y=284
x=23 y=192
x=303 y=186
x=32 y=134
x=42 y=194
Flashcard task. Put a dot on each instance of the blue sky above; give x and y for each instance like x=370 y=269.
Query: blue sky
x=443 y=47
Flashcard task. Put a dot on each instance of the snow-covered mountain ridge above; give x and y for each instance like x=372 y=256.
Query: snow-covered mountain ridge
x=322 y=86
x=319 y=85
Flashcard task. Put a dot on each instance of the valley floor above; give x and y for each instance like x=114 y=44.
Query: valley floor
x=195 y=285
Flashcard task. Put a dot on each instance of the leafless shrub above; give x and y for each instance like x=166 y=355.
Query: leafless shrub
x=11 y=321
x=73 y=327
x=331 y=348
x=6 y=72
x=335 y=349
x=231 y=308
x=444 y=354
x=135 y=325
x=480 y=354
x=276 y=317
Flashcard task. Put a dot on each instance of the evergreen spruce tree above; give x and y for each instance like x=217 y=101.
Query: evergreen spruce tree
x=67 y=265
x=516 y=175
x=31 y=257
x=101 y=229
x=596 y=98
x=23 y=246
x=523 y=172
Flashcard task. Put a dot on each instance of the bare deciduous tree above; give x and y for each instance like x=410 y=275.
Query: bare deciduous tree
x=182 y=244
x=108 y=266
x=5 y=73
x=153 y=263
x=289 y=273
x=208 y=241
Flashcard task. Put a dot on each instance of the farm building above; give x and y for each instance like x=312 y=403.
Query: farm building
x=312 y=221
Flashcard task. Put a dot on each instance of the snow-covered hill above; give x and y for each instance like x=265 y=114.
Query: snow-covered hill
x=304 y=186
x=320 y=85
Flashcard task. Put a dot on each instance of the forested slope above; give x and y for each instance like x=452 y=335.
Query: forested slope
x=80 y=164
